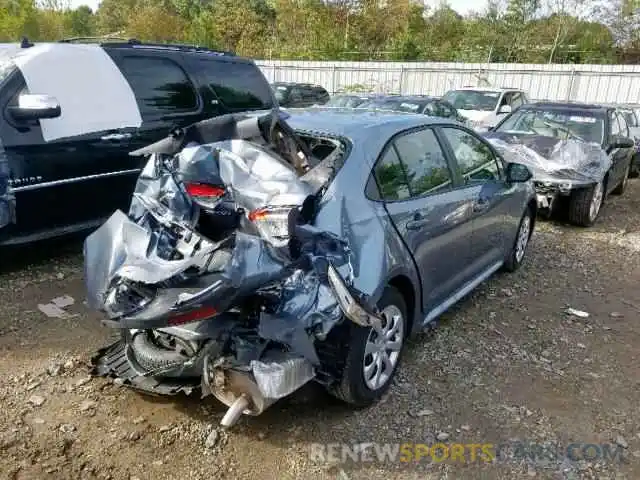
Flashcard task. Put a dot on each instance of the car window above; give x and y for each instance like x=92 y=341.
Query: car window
x=615 y=125
x=624 y=127
x=424 y=162
x=516 y=100
x=238 y=85
x=390 y=177
x=432 y=110
x=161 y=86
x=296 y=94
x=506 y=99
x=447 y=110
x=476 y=161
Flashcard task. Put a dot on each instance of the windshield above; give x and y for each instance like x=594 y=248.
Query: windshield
x=560 y=125
x=473 y=99
x=345 y=101
x=397 y=105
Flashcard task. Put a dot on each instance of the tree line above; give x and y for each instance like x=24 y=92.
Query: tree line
x=523 y=31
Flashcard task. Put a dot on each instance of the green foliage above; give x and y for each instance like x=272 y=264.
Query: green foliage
x=393 y=30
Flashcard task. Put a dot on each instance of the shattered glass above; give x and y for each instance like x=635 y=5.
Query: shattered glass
x=551 y=160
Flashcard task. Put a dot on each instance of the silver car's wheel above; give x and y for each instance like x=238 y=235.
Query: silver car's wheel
x=383 y=347
x=523 y=238
x=596 y=201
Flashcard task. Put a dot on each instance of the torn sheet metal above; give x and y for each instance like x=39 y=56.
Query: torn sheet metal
x=278 y=379
x=552 y=160
x=73 y=73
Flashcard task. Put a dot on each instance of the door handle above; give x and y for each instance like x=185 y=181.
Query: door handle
x=116 y=137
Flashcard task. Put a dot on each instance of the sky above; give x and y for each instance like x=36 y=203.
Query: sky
x=461 y=6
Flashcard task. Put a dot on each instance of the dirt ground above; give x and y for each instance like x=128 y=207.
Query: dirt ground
x=508 y=364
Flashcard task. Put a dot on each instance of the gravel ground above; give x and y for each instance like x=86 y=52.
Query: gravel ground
x=508 y=364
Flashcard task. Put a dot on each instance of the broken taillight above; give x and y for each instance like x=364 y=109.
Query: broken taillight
x=201 y=313
x=272 y=223
x=206 y=195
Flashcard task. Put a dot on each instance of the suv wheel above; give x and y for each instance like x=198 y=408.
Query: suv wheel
x=519 y=249
x=635 y=166
x=372 y=358
x=585 y=204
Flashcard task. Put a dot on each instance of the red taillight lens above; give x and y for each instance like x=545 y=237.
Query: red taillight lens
x=192 y=316
x=204 y=190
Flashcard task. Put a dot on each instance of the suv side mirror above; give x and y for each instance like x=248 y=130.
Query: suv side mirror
x=618 y=141
x=504 y=109
x=518 y=173
x=35 y=107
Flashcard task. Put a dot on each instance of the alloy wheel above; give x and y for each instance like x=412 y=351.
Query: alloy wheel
x=382 y=350
x=596 y=201
x=523 y=237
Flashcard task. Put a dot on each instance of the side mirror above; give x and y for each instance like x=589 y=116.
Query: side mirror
x=35 y=107
x=504 y=109
x=518 y=173
x=618 y=141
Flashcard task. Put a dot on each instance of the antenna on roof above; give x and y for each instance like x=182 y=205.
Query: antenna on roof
x=25 y=43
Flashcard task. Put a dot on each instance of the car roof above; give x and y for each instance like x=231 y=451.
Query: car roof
x=356 y=123
x=414 y=98
x=575 y=106
x=296 y=84
x=489 y=89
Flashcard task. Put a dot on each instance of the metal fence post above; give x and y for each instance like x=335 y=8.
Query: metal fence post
x=333 y=79
x=401 y=81
x=571 y=82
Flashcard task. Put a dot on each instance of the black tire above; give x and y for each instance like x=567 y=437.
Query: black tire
x=515 y=260
x=352 y=387
x=580 y=205
x=151 y=356
x=622 y=186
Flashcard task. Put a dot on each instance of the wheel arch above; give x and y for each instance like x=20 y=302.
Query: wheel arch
x=405 y=287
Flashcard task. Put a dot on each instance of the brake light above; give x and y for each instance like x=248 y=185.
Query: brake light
x=272 y=223
x=206 y=195
x=201 y=313
x=204 y=190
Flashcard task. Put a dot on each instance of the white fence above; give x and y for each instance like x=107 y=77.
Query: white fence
x=584 y=83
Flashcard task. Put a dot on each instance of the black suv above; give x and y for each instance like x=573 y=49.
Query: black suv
x=73 y=110
x=294 y=95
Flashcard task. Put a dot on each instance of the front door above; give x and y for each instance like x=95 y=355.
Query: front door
x=433 y=218
x=484 y=182
x=65 y=184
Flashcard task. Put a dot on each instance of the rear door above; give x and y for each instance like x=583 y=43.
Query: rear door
x=230 y=85
x=484 y=183
x=619 y=156
x=165 y=91
x=417 y=185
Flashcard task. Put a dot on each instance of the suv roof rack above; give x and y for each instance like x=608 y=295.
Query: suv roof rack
x=119 y=42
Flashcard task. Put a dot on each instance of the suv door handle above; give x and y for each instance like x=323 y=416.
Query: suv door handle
x=116 y=137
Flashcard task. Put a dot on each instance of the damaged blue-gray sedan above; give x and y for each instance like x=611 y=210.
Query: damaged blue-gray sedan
x=262 y=252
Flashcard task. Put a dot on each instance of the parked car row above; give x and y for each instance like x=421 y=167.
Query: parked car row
x=265 y=248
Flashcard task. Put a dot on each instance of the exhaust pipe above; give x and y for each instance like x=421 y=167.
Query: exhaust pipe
x=252 y=391
x=238 y=391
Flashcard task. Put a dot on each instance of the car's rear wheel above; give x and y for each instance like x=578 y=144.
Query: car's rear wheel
x=519 y=249
x=585 y=204
x=372 y=357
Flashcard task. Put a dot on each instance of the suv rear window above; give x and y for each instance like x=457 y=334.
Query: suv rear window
x=160 y=85
x=238 y=85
